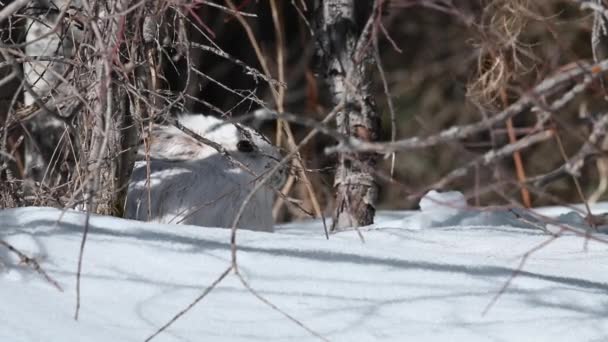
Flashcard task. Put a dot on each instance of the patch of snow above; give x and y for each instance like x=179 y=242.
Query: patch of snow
x=449 y=201
x=401 y=284
x=449 y=209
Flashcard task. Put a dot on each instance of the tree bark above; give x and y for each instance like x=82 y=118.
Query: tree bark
x=599 y=47
x=346 y=52
x=115 y=120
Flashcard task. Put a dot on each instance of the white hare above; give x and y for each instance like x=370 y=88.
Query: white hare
x=190 y=183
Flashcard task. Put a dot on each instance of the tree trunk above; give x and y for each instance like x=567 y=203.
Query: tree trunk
x=599 y=47
x=112 y=137
x=346 y=52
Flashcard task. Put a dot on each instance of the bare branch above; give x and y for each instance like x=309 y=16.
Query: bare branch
x=546 y=88
x=494 y=155
x=228 y=10
x=575 y=163
x=12 y=8
x=31 y=262
x=191 y=305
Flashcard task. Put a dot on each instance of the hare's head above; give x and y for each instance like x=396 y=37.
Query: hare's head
x=245 y=144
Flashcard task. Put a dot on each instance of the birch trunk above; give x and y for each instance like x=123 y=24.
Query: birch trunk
x=347 y=57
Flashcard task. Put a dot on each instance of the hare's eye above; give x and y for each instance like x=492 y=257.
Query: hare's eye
x=245 y=146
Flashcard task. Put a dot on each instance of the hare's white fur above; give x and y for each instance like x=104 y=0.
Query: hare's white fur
x=190 y=183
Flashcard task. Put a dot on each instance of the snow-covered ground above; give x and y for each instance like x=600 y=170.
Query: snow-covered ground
x=419 y=276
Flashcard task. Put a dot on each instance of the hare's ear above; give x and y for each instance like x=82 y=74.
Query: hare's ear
x=171 y=144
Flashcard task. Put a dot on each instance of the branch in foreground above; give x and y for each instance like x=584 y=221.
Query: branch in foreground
x=12 y=8
x=31 y=262
x=191 y=305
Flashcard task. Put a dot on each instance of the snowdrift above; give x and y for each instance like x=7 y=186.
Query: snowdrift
x=415 y=278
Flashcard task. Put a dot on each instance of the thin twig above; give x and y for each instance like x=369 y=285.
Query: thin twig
x=387 y=93
x=278 y=101
x=494 y=155
x=261 y=182
x=31 y=262
x=517 y=271
x=277 y=309
x=249 y=70
x=579 y=191
x=12 y=8
x=546 y=88
x=79 y=267
x=226 y=9
x=191 y=305
x=219 y=148
x=574 y=164
x=279 y=165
